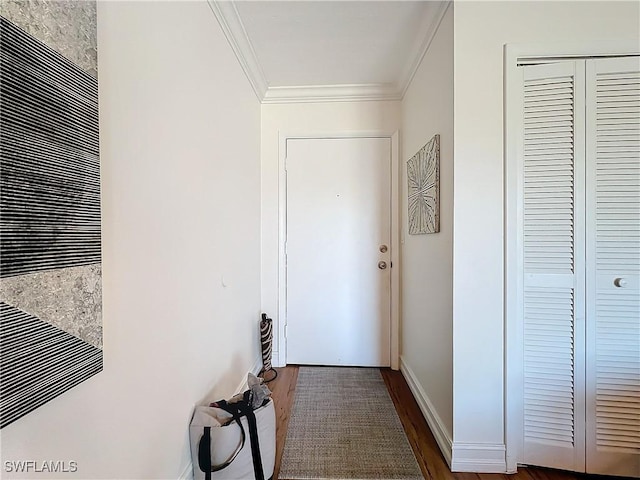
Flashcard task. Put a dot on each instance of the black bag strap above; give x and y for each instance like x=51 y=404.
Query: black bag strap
x=204 y=446
x=204 y=453
x=253 y=435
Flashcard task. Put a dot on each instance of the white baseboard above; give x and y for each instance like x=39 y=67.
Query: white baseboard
x=187 y=472
x=440 y=432
x=479 y=457
x=255 y=369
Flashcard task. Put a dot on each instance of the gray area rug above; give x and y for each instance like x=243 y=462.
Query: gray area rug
x=344 y=426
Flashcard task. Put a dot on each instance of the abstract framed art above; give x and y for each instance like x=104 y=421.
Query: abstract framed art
x=50 y=214
x=423 y=177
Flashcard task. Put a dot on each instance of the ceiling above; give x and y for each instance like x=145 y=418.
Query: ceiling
x=297 y=51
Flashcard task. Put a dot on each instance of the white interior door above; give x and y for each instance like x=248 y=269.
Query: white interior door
x=613 y=266
x=580 y=256
x=553 y=266
x=338 y=225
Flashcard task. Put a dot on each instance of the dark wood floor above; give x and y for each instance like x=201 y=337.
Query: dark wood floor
x=420 y=437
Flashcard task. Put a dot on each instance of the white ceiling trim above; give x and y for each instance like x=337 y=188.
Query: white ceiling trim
x=233 y=29
x=229 y=19
x=331 y=93
x=430 y=27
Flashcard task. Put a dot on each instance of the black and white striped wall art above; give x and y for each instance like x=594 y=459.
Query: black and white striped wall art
x=50 y=228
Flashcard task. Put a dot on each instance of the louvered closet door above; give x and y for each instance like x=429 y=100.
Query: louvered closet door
x=553 y=261
x=613 y=266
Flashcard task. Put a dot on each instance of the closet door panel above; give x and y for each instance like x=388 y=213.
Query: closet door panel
x=613 y=266
x=553 y=260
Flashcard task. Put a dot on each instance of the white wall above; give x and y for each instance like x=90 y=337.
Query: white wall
x=481 y=30
x=304 y=118
x=180 y=152
x=427 y=260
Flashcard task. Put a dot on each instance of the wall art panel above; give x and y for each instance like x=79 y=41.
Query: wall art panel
x=50 y=228
x=423 y=177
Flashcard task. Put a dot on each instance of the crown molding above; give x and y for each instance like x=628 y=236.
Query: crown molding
x=430 y=26
x=331 y=93
x=232 y=27
x=229 y=19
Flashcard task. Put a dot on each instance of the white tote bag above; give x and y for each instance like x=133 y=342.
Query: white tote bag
x=231 y=443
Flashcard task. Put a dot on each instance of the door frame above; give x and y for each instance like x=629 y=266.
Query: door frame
x=515 y=55
x=395 y=233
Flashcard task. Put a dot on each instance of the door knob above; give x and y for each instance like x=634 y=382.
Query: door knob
x=382 y=265
x=620 y=282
